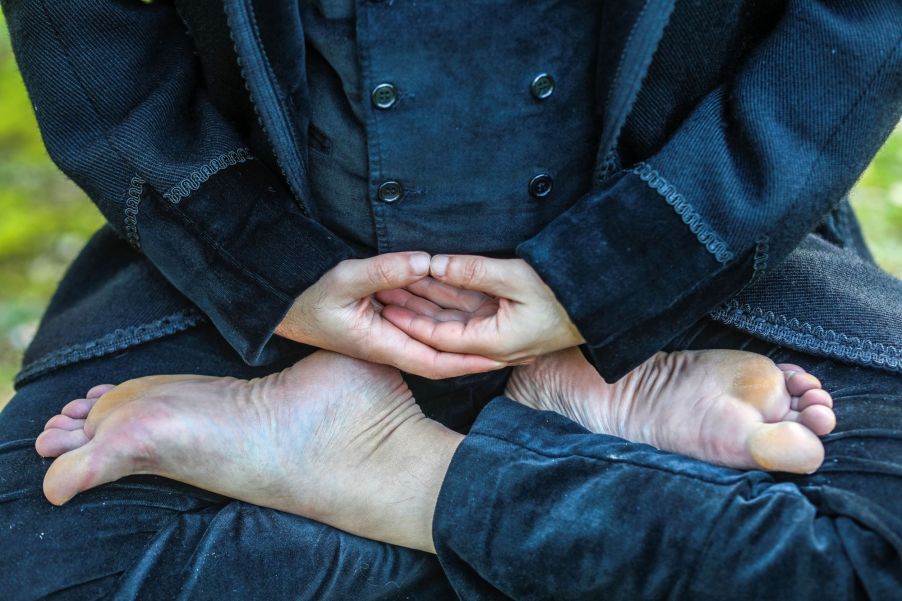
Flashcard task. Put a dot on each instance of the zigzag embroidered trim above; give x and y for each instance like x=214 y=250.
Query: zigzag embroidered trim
x=117 y=340
x=804 y=336
x=131 y=211
x=762 y=248
x=705 y=234
x=193 y=181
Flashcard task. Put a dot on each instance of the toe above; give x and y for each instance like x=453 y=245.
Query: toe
x=79 y=408
x=64 y=422
x=53 y=443
x=786 y=447
x=99 y=390
x=819 y=419
x=83 y=468
x=800 y=383
x=790 y=368
x=815 y=396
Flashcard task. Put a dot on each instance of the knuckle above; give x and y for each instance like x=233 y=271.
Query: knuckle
x=472 y=271
x=380 y=272
x=340 y=274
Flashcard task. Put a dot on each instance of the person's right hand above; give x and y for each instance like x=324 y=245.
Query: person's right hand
x=339 y=313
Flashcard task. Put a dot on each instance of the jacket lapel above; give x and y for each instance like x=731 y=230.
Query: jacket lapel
x=630 y=34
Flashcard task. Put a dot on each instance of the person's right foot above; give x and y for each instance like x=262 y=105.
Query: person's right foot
x=726 y=407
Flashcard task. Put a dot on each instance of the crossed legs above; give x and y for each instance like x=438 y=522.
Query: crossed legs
x=356 y=451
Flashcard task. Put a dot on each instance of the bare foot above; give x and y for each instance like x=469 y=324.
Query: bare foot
x=726 y=407
x=329 y=438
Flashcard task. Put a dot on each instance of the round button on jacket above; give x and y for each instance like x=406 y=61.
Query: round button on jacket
x=384 y=95
x=540 y=186
x=542 y=86
x=390 y=191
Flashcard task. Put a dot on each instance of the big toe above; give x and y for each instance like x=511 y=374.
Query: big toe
x=81 y=469
x=786 y=447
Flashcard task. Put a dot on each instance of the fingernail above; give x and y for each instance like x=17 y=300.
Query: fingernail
x=439 y=264
x=419 y=263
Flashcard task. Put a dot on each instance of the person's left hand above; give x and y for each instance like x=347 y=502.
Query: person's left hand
x=497 y=308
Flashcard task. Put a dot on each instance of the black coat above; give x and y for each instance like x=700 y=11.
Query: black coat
x=729 y=131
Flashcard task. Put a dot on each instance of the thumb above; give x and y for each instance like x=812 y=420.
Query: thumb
x=498 y=277
x=358 y=278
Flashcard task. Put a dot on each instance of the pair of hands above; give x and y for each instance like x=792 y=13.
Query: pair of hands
x=437 y=317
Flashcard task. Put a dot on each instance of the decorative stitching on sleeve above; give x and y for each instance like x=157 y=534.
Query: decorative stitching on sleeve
x=193 y=181
x=131 y=211
x=704 y=232
x=609 y=166
x=117 y=340
x=762 y=250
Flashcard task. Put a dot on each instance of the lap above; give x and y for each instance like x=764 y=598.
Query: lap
x=152 y=538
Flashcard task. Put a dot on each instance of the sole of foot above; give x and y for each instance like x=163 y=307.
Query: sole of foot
x=726 y=407
x=325 y=438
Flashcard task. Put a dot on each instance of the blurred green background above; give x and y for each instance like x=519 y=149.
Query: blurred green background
x=45 y=218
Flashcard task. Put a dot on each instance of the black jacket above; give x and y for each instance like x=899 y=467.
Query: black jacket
x=730 y=130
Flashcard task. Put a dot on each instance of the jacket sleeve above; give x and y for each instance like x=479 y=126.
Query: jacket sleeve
x=533 y=506
x=123 y=111
x=754 y=167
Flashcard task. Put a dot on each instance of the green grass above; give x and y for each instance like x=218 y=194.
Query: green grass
x=46 y=219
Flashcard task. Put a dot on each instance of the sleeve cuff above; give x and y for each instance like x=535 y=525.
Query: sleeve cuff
x=632 y=271
x=241 y=250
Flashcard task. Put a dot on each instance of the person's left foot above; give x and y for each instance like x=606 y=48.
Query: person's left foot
x=331 y=438
x=726 y=407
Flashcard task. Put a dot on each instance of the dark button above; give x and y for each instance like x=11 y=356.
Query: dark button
x=384 y=95
x=542 y=86
x=540 y=186
x=390 y=191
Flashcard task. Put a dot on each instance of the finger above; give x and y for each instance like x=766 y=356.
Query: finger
x=453 y=315
x=439 y=365
x=393 y=347
x=354 y=279
x=403 y=298
x=449 y=297
x=451 y=336
x=507 y=278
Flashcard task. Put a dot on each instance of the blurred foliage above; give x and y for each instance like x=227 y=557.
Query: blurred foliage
x=45 y=218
